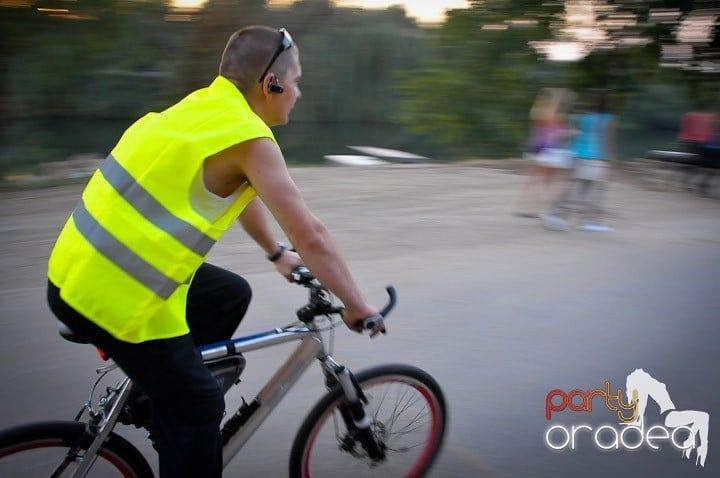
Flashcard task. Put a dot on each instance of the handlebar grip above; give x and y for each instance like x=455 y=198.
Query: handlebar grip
x=393 y=299
x=376 y=321
x=372 y=322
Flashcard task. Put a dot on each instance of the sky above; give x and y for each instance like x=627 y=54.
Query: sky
x=422 y=10
x=426 y=11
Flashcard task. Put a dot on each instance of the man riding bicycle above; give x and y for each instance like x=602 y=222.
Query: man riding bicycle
x=128 y=270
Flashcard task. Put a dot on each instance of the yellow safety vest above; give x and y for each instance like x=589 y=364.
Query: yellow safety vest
x=127 y=254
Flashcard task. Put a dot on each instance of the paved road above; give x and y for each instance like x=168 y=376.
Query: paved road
x=499 y=310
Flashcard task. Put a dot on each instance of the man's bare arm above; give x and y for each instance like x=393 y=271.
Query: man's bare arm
x=254 y=221
x=261 y=162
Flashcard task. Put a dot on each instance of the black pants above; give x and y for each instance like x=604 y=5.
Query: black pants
x=187 y=402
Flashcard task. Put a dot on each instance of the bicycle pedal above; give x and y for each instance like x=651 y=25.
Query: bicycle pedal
x=137 y=411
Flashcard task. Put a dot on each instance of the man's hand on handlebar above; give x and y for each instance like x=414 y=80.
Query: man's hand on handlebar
x=360 y=320
x=287 y=262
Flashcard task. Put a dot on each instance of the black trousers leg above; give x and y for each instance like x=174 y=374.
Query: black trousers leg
x=187 y=402
x=217 y=302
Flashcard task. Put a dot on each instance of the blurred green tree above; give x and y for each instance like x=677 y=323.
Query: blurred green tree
x=476 y=90
x=82 y=61
x=467 y=83
x=490 y=60
x=109 y=61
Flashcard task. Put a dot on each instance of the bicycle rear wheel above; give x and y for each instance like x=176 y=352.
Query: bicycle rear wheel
x=407 y=411
x=54 y=449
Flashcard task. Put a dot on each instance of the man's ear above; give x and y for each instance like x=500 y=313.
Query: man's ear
x=275 y=87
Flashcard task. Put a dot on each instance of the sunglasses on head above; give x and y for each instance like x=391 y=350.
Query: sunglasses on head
x=286 y=43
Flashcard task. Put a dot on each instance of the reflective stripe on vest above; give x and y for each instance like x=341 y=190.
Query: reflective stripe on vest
x=117 y=252
x=184 y=232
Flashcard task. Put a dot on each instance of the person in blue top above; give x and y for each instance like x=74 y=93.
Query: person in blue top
x=594 y=148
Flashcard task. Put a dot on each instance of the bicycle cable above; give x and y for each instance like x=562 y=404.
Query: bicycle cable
x=331 y=339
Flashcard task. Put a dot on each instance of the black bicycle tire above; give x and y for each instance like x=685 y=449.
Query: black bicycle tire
x=309 y=423
x=31 y=435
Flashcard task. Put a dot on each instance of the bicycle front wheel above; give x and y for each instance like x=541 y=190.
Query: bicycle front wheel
x=54 y=449
x=407 y=412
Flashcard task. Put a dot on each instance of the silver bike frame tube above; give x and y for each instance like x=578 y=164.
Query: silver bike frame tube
x=105 y=429
x=242 y=345
x=309 y=349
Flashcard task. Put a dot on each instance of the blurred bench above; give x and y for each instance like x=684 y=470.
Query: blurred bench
x=677 y=157
x=682 y=169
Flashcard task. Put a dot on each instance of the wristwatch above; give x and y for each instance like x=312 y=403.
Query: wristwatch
x=281 y=248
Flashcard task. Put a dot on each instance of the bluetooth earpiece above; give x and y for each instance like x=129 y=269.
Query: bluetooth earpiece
x=275 y=87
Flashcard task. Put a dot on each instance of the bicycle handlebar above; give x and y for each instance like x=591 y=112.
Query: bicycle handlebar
x=319 y=306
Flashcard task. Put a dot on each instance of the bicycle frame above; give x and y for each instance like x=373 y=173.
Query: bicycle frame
x=241 y=426
x=101 y=432
x=247 y=419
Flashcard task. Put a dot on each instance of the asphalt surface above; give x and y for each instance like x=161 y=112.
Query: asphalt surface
x=497 y=309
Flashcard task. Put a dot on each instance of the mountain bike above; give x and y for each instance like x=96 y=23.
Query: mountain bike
x=388 y=420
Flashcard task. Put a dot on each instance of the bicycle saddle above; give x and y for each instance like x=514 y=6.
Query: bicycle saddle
x=68 y=334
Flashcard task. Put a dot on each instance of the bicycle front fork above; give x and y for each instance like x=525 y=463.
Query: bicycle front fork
x=357 y=422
